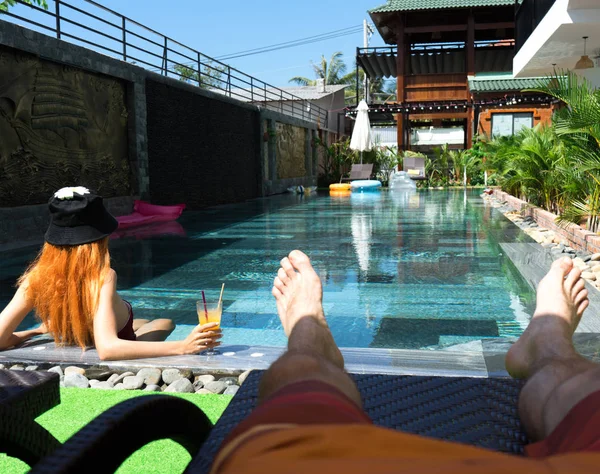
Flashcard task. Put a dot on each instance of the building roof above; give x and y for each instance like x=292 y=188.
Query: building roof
x=499 y=84
x=411 y=5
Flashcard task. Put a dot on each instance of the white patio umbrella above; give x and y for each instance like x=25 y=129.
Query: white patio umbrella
x=361 y=135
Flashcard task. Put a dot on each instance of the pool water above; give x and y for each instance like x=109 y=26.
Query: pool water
x=406 y=270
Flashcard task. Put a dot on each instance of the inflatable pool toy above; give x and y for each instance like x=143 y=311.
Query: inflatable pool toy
x=365 y=185
x=337 y=193
x=340 y=187
x=302 y=189
x=146 y=213
x=170 y=228
x=400 y=181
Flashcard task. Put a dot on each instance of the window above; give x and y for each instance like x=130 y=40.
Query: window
x=509 y=124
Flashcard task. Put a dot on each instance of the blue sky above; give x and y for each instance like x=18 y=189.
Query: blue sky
x=219 y=28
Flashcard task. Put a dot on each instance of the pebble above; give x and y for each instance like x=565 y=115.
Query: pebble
x=99 y=374
x=216 y=386
x=586 y=258
x=94 y=382
x=198 y=384
x=589 y=275
x=133 y=382
x=180 y=386
x=2 y=367
x=58 y=370
x=76 y=380
x=231 y=390
x=206 y=378
x=171 y=375
x=595 y=257
x=243 y=376
x=596 y=268
x=120 y=378
x=112 y=378
x=106 y=385
x=119 y=386
x=152 y=388
x=203 y=391
x=150 y=376
x=229 y=380
x=74 y=370
x=31 y=367
x=17 y=367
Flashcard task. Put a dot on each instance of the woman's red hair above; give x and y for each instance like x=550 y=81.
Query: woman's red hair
x=64 y=284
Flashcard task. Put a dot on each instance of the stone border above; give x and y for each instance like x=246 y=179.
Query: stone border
x=554 y=238
x=149 y=379
x=576 y=237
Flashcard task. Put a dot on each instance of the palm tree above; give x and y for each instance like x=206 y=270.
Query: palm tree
x=332 y=71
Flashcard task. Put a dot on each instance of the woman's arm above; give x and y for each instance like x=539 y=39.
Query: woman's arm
x=110 y=347
x=12 y=316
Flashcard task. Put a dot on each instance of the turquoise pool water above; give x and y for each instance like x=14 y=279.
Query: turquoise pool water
x=419 y=271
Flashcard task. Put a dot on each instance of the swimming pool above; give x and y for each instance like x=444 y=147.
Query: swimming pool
x=420 y=270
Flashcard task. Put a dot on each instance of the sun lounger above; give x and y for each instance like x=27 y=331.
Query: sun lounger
x=414 y=167
x=358 y=172
x=477 y=411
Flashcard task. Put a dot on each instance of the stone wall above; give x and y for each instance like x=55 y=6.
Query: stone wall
x=137 y=133
x=60 y=126
x=578 y=238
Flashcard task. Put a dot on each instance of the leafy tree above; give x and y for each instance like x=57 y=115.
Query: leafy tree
x=211 y=77
x=11 y=3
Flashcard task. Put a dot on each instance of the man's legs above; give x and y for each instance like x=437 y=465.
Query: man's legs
x=558 y=377
x=312 y=353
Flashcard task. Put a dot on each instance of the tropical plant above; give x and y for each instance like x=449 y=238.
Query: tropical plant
x=436 y=169
x=335 y=157
x=464 y=165
x=11 y=3
x=578 y=126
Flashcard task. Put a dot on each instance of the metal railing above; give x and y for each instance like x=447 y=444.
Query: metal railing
x=417 y=48
x=529 y=15
x=89 y=24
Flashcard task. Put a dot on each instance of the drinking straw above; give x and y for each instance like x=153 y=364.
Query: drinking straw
x=221 y=295
x=205 y=309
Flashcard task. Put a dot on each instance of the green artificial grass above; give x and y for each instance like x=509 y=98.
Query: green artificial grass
x=80 y=406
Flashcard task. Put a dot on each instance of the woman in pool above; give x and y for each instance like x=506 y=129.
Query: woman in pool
x=72 y=288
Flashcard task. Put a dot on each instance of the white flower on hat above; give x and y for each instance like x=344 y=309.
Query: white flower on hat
x=67 y=193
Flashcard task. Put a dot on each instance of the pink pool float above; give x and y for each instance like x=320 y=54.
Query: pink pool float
x=146 y=213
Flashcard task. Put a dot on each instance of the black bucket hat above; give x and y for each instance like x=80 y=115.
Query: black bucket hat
x=78 y=216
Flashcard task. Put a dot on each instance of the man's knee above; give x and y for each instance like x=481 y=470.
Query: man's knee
x=297 y=367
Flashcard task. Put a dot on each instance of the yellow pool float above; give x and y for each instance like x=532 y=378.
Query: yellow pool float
x=340 y=187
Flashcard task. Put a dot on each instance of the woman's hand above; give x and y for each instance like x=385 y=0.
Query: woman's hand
x=202 y=337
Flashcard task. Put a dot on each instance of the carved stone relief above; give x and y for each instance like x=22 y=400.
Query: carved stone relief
x=291 y=151
x=59 y=126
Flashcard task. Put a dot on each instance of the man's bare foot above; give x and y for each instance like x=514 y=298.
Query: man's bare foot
x=560 y=302
x=298 y=292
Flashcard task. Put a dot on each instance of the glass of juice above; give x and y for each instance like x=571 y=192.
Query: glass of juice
x=210 y=312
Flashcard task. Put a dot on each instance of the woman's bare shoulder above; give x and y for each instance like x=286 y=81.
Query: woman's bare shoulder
x=111 y=279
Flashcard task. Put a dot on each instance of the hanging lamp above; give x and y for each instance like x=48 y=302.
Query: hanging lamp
x=585 y=62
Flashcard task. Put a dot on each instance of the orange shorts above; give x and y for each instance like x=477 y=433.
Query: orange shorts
x=311 y=427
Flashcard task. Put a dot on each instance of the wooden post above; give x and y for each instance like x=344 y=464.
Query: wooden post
x=469 y=129
x=400 y=70
x=471 y=44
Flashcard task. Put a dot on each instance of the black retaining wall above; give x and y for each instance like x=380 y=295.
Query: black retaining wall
x=201 y=151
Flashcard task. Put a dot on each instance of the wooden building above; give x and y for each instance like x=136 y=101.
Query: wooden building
x=453 y=63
